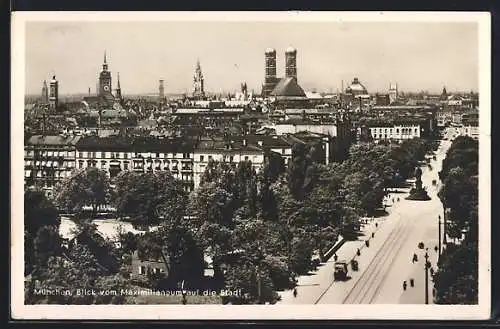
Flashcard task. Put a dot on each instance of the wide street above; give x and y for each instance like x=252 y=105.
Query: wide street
x=387 y=262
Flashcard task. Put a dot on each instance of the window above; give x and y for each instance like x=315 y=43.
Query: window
x=209 y=158
x=142 y=269
x=125 y=165
x=231 y=158
x=80 y=164
x=202 y=158
x=112 y=155
x=246 y=157
x=397 y=130
x=157 y=154
x=80 y=154
x=125 y=155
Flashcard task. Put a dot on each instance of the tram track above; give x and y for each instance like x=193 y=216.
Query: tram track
x=367 y=286
x=393 y=236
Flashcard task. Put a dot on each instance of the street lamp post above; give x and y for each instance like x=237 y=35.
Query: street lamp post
x=439 y=238
x=444 y=226
x=259 y=288
x=426 y=277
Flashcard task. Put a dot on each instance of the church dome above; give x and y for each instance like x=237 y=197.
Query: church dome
x=290 y=50
x=270 y=50
x=357 y=87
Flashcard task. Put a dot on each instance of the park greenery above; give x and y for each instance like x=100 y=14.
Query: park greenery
x=456 y=281
x=261 y=227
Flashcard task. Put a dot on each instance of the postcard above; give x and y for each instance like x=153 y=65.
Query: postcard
x=250 y=165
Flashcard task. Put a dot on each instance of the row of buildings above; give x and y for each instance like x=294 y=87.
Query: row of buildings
x=50 y=159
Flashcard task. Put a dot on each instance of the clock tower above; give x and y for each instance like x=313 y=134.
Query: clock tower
x=105 y=79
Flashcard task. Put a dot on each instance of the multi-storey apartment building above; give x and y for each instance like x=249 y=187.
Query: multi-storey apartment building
x=395 y=131
x=49 y=159
x=230 y=151
x=140 y=154
x=470 y=125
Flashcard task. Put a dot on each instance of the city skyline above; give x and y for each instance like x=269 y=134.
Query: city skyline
x=233 y=52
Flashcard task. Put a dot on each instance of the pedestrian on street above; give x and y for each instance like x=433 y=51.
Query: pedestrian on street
x=335 y=257
x=294 y=292
x=436 y=248
x=404 y=285
x=373 y=234
x=398 y=199
x=415 y=258
x=358 y=252
x=412 y=282
x=376 y=224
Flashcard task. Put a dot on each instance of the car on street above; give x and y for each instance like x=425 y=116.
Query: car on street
x=340 y=270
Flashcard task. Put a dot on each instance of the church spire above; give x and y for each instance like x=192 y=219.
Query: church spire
x=105 y=63
x=45 y=93
x=198 y=72
x=198 y=82
x=118 y=95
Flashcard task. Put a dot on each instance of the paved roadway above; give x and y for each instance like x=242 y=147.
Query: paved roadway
x=388 y=261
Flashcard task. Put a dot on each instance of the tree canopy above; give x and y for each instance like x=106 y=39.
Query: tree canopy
x=85 y=187
x=148 y=197
x=40 y=222
x=456 y=281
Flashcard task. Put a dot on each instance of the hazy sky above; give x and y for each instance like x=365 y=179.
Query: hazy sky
x=417 y=56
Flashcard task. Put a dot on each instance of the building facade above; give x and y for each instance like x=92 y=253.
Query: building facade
x=270 y=79
x=393 y=93
x=49 y=159
x=232 y=152
x=398 y=131
x=114 y=154
x=470 y=129
x=54 y=94
x=105 y=81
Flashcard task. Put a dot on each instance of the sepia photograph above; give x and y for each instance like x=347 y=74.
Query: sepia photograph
x=250 y=165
